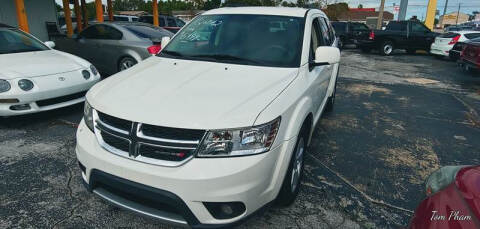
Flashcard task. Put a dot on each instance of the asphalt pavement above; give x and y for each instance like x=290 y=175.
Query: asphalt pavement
x=396 y=120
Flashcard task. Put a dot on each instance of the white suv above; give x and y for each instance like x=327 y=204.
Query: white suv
x=215 y=127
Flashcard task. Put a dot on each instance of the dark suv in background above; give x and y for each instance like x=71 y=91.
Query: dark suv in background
x=169 y=23
x=350 y=32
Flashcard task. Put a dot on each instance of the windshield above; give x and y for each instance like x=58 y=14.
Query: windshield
x=14 y=41
x=240 y=39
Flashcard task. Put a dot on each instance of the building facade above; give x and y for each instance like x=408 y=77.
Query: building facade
x=452 y=19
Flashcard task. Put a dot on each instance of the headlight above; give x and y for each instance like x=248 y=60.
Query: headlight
x=4 y=86
x=86 y=74
x=94 y=70
x=441 y=179
x=25 y=85
x=239 y=142
x=88 y=115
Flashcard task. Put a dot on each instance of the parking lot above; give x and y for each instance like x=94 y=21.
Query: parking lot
x=396 y=120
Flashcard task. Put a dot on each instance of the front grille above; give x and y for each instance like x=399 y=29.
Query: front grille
x=61 y=99
x=115 y=122
x=147 y=143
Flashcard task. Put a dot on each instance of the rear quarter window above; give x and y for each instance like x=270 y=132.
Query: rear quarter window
x=448 y=35
x=397 y=26
x=471 y=36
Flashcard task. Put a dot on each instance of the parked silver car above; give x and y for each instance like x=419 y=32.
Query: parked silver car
x=115 y=46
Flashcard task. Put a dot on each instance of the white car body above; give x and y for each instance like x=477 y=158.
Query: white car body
x=54 y=75
x=201 y=95
x=442 y=46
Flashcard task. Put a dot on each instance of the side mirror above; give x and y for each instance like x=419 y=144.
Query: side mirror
x=50 y=44
x=325 y=55
x=165 y=41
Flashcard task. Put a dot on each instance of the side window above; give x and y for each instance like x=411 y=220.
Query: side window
x=324 y=32
x=471 y=36
x=90 y=33
x=331 y=31
x=397 y=26
x=161 y=21
x=316 y=39
x=417 y=27
x=171 y=22
x=109 y=33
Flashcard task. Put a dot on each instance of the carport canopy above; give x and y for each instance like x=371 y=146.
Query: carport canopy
x=81 y=13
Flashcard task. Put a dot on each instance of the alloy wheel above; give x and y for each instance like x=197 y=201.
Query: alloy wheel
x=297 y=165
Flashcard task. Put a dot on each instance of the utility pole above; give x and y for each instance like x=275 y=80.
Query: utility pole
x=458 y=13
x=380 y=15
x=403 y=10
x=445 y=8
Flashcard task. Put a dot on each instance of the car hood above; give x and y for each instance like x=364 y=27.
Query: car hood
x=190 y=94
x=32 y=64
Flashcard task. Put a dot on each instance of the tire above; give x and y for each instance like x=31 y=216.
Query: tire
x=386 y=48
x=340 y=43
x=292 y=180
x=126 y=63
x=365 y=50
x=331 y=99
x=411 y=51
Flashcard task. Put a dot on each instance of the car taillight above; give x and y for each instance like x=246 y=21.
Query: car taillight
x=154 y=49
x=371 y=36
x=454 y=40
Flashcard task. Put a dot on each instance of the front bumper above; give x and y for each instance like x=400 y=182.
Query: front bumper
x=252 y=180
x=52 y=92
x=441 y=50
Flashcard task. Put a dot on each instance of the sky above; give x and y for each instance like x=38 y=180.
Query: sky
x=415 y=7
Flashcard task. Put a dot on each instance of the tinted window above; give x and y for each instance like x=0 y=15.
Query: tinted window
x=146 y=19
x=263 y=40
x=339 y=26
x=103 y=32
x=161 y=21
x=171 y=22
x=180 y=23
x=397 y=26
x=359 y=27
x=147 y=31
x=14 y=41
x=417 y=27
x=117 y=18
x=472 y=35
x=448 y=35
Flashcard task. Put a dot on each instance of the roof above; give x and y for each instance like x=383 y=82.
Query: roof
x=281 y=11
x=5 y=26
x=362 y=15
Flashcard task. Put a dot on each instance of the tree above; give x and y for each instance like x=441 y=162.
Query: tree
x=58 y=7
x=334 y=11
x=360 y=6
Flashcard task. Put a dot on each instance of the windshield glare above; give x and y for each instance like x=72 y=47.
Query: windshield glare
x=242 y=39
x=14 y=41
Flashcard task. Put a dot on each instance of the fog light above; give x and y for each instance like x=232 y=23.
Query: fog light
x=225 y=210
x=21 y=107
x=86 y=74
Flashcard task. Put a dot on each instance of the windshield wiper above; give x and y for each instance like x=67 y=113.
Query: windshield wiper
x=220 y=57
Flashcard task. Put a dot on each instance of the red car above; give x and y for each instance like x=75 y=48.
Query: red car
x=453 y=200
x=470 y=56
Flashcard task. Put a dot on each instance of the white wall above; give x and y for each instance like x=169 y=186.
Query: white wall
x=38 y=12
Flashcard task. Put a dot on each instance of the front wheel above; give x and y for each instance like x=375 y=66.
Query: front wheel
x=386 y=48
x=291 y=182
x=126 y=63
